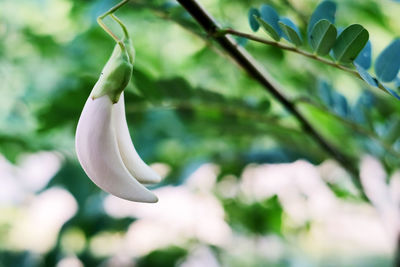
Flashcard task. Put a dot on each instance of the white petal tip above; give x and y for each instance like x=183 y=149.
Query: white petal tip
x=149 y=199
x=154 y=179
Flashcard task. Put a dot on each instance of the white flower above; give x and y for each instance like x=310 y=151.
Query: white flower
x=103 y=144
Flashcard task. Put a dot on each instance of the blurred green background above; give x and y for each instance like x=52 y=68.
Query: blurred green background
x=243 y=184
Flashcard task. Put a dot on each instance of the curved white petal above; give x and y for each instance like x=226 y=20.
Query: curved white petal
x=136 y=166
x=98 y=153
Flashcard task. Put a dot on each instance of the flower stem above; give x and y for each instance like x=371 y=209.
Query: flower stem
x=124 y=29
x=108 y=30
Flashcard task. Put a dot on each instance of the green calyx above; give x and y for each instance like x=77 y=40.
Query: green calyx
x=129 y=49
x=117 y=72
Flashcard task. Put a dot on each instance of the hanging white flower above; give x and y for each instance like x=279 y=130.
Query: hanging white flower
x=103 y=144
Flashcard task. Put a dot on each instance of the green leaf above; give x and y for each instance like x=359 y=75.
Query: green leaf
x=269 y=21
x=392 y=92
x=325 y=10
x=350 y=43
x=291 y=32
x=323 y=37
x=387 y=64
x=253 y=13
x=335 y=101
x=326 y=93
x=340 y=105
x=366 y=76
x=361 y=108
x=364 y=58
x=393 y=130
x=268 y=29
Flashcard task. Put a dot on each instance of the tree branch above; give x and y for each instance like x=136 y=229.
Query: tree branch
x=246 y=61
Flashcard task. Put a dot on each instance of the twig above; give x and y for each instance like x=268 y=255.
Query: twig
x=295 y=50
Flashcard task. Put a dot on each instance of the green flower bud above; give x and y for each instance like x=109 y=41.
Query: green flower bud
x=116 y=74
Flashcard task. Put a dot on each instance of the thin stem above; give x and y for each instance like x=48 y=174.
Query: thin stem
x=295 y=50
x=113 y=9
x=124 y=29
x=108 y=30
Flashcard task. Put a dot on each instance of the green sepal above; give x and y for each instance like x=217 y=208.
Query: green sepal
x=116 y=74
x=129 y=49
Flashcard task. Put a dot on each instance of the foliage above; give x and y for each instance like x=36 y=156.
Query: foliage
x=345 y=48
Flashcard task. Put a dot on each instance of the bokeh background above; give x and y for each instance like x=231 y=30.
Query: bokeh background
x=243 y=184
